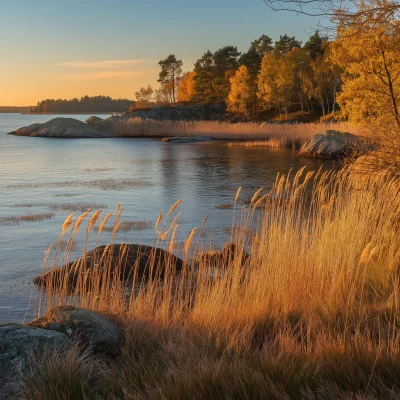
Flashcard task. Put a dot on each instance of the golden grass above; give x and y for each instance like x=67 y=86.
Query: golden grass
x=16 y=220
x=314 y=313
x=277 y=135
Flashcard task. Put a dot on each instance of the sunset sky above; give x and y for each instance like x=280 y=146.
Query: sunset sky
x=66 y=49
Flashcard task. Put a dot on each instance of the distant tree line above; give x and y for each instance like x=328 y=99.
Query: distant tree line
x=14 y=109
x=85 y=104
x=280 y=77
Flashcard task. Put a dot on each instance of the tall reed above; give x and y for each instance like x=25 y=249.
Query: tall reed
x=280 y=135
x=313 y=312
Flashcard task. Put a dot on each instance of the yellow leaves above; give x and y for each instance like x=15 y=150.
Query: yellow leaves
x=370 y=61
x=239 y=97
x=186 y=87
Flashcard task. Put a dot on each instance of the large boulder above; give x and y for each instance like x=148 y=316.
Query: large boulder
x=126 y=262
x=17 y=342
x=332 y=144
x=88 y=327
x=63 y=128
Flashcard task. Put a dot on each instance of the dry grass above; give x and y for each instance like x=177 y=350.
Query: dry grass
x=126 y=226
x=82 y=207
x=314 y=313
x=277 y=135
x=66 y=194
x=16 y=220
x=27 y=205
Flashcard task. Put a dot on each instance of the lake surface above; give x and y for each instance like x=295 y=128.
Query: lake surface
x=42 y=175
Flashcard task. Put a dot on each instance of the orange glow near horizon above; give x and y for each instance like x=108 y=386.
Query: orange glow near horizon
x=22 y=86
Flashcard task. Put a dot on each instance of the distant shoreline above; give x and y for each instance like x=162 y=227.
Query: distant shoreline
x=63 y=113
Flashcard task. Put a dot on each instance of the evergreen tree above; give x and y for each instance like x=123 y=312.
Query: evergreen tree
x=204 y=77
x=171 y=69
x=262 y=45
x=285 y=44
x=315 y=45
x=225 y=64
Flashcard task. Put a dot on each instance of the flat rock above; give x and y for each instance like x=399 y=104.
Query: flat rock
x=62 y=128
x=333 y=144
x=16 y=344
x=126 y=262
x=88 y=327
x=187 y=139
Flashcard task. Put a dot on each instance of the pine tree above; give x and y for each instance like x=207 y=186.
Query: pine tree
x=171 y=69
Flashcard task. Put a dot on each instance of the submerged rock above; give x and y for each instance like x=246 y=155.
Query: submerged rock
x=124 y=262
x=332 y=144
x=17 y=342
x=187 y=139
x=88 y=327
x=62 y=128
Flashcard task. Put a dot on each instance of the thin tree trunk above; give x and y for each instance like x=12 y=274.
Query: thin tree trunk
x=391 y=91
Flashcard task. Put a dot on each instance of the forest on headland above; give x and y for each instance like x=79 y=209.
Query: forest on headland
x=270 y=78
x=86 y=104
x=354 y=76
x=14 y=109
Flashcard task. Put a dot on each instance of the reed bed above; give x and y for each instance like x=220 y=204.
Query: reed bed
x=278 y=135
x=126 y=226
x=313 y=313
x=16 y=220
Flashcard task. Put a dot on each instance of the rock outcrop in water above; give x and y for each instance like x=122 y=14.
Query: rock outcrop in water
x=332 y=144
x=67 y=128
x=126 y=262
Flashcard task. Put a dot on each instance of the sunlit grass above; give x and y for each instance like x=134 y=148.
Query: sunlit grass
x=272 y=135
x=312 y=313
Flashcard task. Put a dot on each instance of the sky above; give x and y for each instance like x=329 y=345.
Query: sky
x=71 y=48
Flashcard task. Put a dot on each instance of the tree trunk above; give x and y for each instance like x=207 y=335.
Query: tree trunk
x=391 y=91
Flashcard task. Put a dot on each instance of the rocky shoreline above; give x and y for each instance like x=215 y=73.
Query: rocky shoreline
x=59 y=330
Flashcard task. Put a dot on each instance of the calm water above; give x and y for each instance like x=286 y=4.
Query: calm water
x=39 y=174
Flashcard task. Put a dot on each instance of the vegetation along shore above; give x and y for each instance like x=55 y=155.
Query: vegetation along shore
x=302 y=301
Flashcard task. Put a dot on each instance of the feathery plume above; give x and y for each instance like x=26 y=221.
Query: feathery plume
x=93 y=220
x=67 y=223
x=238 y=193
x=102 y=225
x=174 y=207
x=159 y=219
x=171 y=243
x=189 y=240
x=79 y=221
x=255 y=195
